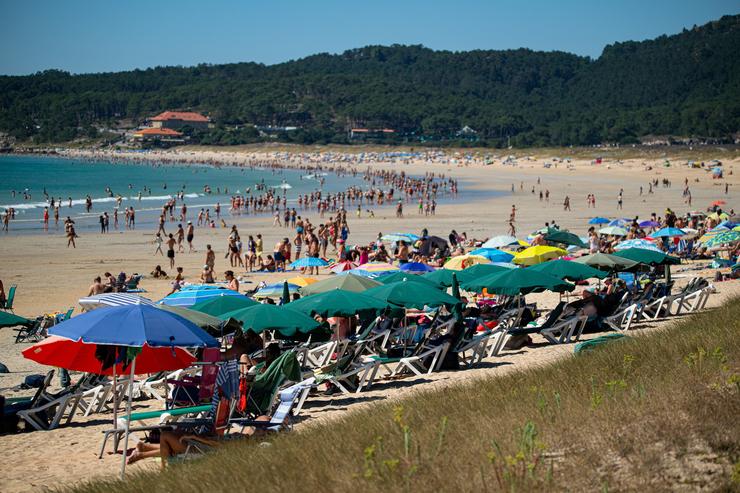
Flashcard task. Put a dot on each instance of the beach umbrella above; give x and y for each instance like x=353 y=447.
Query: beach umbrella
x=112 y=299
x=457 y=308
x=308 y=262
x=275 y=290
x=441 y=277
x=668 y=233
x=718 y=217
x=480 y=270
x=518 y=281
x=566 y=238
x=463 y=261
x=301 y=281
x=613 y=231
x=620 y=222
x=190 y=295
x=648 y=257
x=606 y=262
x=718 y=203
x=723 y=238
x=8 y=319
x=134 y=326
x=222 y=304
x=500 y=241
x=347 y=282
x=409 y=294
x=337 y=303
x=282 y=319
x=493 y=254
x=343 y=266
x=130 y=328
x=719 y=228
x=565 y=269
x=706 y=236
x=736 y=228
x=648 y=224
x=396 y=237
x=79 y=356
x=416 y=268
x=374 y=269
x=637 y=243
x=598 y=220
x=538 y=254
x=401 y=276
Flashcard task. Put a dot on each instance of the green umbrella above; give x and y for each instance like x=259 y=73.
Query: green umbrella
x=441 y=277
x=8 y=319
x=566 y=269
x=337 y=303
x=405 y=276
x=213 y=325
x=221 y=304
x=650 y=257
x=285 y=298
x=609 y=263
x=518 y=281
x=478 y=271
x=263 y=317
x=410 y=294
x=457 y=309
x=348 y=282
x=565 y=238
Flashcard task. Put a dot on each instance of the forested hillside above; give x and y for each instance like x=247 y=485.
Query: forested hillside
x=687 y=84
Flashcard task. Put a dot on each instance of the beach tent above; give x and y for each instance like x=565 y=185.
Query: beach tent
x=112 y=299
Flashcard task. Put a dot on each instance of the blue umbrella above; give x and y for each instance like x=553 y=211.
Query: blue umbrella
x=620 y=222
x=308 y=262
x=668 y=232
x=134 y=326
x=649 y=224
x=417 y=267
x=396 y=237
x=493 y=254
x=599 y=220
x=637 y=243
x=190 y=295
x=276 y=290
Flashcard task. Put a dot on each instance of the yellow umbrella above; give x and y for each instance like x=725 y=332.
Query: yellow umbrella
x=538 y=254
x=301 y=281
x=463 y=261
x=523 y=243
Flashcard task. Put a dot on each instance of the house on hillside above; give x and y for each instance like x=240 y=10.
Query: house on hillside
x=176 y=120
x=157 y=135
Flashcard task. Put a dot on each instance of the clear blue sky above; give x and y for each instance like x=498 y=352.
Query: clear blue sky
x=110 y=35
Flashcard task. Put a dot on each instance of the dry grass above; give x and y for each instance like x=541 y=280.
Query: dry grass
x=652 y=413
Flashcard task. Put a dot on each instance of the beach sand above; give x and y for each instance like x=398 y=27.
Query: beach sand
x=52 y=277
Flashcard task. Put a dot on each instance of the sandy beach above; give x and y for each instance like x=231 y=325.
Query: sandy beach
x=52 y=277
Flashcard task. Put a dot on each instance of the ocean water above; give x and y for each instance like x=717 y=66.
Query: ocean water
x=37 y=176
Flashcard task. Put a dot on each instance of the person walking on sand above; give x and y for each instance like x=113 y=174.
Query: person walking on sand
x=512 y=229
x=619 y=199
x=566 y=203
x=171 y=250
x=210 y=257
x=180 y=235
x=158 y=242
x=71 y=235
x=190 y=234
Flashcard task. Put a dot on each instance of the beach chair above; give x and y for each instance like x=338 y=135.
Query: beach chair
x=34 y=332
x=265 y=386
x=8 y=305
x=622 y=319
x=350 y=374
x=290 y=400
x=565 y=331
x=49 y=410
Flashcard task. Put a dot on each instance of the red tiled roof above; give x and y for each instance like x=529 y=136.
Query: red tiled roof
x=162 y=132
x=186 y=116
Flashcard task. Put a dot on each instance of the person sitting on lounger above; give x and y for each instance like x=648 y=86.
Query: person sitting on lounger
x=172 y=443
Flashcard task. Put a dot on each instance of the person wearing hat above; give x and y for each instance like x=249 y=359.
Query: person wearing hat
x=206 y=276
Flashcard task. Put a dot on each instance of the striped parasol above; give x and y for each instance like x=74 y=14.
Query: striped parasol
x=112 y=299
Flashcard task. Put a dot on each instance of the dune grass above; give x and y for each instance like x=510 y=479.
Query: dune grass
x=655 y=412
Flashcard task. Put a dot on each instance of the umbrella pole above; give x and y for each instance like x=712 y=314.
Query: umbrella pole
x=128 y=417
x=115 y=397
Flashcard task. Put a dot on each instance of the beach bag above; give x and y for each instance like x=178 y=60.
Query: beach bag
x=33 y=382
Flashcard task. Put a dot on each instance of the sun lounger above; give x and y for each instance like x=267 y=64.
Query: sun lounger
x=622 y=320
x=47 y=410
x=349 y=374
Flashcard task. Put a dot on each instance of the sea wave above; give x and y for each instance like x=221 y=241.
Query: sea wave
x=100 y=200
